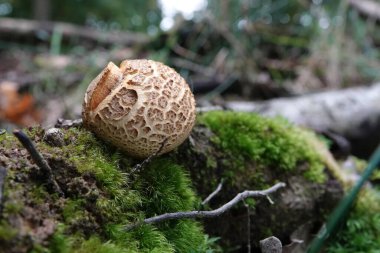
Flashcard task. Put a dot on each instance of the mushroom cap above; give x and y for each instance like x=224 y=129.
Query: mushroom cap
x=140 y=107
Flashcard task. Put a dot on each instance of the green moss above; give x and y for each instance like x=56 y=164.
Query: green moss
x=39 y=193
x=2 y=136
x=7 y=140
x=103 y=195
x=121 y=198
x=13 y=207
x=95 y=245
x=6 y=231
x=180 y=233
x=273 y=143
x=361 y=232
x=167 y=188
x=59 y=242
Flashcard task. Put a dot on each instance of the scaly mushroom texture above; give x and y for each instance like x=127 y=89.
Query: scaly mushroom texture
x=139 y=106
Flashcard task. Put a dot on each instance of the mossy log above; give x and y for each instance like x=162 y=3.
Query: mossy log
x=352 y=112
x=102 y=193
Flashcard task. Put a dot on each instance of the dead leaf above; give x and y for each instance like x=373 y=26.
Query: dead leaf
x=17 y=108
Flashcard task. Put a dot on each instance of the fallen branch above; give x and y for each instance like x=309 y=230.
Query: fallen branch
x=248 y=228
x=37 y=158
x=24 y=27
x=213 y=194
x=207 y=214
x=366 y=7
x=186 y=64
x=353 y=113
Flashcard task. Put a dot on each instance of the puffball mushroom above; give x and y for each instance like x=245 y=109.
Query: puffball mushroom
x=140 y=107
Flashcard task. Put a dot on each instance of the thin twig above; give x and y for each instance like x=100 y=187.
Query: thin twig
x=37 y=158
x=139 y=166
x=213 y=194
x=189 y=65
x=207 y=214
x=248 y=228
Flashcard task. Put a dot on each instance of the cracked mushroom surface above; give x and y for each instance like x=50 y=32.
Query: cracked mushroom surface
x=139 y=106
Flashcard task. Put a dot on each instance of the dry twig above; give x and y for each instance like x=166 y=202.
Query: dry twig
x=207 y=214
x=213 y=194
x=37 y=158
x=367 y=7
x=139 y=166
x=26 y=27
x=248 y=228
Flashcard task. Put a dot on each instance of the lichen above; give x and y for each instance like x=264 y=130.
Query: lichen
x=270 y=143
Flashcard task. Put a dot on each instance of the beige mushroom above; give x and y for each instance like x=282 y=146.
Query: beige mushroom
x=139 y=106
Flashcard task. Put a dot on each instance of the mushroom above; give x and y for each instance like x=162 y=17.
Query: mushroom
x=141 y=107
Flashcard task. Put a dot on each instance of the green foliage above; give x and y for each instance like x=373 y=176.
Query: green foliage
x=271 y=143
x=361 y=232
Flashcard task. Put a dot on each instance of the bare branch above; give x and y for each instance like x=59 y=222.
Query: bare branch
x=248 y=228
x=213 y=194
x=207 y=214
x=27 y=27
x=37 y=158
x=369 y=8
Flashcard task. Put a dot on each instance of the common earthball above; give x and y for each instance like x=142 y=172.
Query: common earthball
x=139 y=106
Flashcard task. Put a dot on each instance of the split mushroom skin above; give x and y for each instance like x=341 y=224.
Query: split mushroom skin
x=140 y=107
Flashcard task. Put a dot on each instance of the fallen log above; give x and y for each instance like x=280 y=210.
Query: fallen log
x=31 y=28
x=353 y=113
x=368 y=8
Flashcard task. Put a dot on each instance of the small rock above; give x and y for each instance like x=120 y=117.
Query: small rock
x=271 y=245
x=54 y=137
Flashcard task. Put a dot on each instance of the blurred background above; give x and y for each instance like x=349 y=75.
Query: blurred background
x=230 y=50
x=273 y=55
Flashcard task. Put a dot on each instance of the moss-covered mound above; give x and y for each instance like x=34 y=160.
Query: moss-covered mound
x=103 y=192
x=248 y=151
x=101 y=195
x=272 y=143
